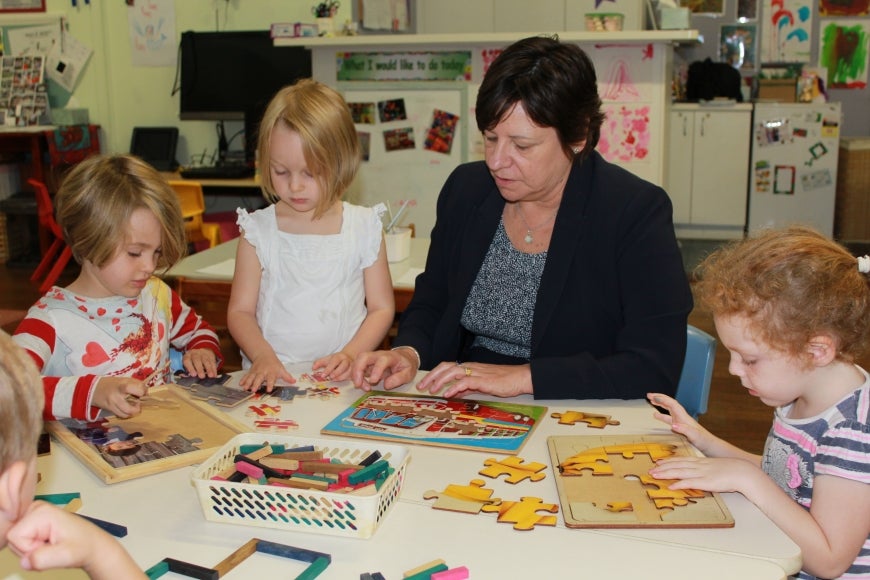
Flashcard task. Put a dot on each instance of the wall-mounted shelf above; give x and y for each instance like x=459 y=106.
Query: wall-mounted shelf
x=383 y=40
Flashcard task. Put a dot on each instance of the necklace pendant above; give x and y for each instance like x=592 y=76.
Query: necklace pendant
x=529 y=239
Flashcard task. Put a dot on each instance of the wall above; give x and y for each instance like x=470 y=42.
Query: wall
x=855 y=103
x=120 y=96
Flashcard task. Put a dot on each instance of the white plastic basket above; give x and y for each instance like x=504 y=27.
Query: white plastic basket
x=286 y=508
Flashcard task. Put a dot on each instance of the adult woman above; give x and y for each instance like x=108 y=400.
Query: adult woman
x=552 y=271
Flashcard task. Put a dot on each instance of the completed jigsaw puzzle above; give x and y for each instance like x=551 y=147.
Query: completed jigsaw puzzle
x=603 y=482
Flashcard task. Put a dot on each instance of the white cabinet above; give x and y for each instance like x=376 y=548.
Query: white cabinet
x=707 y=169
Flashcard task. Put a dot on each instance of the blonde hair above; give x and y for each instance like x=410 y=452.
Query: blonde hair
x=21 y=403
x=791 y=284
x=330 y=144
x=97 y=198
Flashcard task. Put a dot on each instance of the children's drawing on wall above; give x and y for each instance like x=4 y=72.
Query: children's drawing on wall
x=844 y=51
x=618 y=69
x=365 y=143
x=774 y=132
x=818 y=179
x=439 y=138
x=625 y=133
x=786 y=31
x=783 y=179
x=119 y=448
x=399 y=139
x=362 y=113
x=487 y=55
x=737 y=45
x=392 y=110
x=762 y=176
x=151 y=27
x=844 y=7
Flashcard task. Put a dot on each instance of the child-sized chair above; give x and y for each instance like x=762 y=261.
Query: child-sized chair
x=693 y=390
x=192 y=202
x=58 y=254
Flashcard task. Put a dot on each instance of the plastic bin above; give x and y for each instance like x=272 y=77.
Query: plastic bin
x=285 y=508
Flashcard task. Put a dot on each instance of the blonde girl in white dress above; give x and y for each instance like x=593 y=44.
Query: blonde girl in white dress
x=311 y=281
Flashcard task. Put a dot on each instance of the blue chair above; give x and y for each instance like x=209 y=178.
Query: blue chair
x=693 y=390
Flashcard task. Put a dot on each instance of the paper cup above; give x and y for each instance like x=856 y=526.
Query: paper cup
x=398 y=244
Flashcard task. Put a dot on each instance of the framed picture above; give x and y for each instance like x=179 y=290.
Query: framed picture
x=22 y=5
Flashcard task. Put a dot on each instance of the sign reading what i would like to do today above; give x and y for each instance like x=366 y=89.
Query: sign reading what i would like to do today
x=404 y=66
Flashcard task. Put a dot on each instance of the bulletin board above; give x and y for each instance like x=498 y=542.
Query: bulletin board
x=46 y=31
x=414 y=134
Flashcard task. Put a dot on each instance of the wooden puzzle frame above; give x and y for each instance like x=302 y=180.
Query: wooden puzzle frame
x=612 y=488
x=168 y=411
x=436 y=421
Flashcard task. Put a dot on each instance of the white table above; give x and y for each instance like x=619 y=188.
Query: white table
x=164 y=519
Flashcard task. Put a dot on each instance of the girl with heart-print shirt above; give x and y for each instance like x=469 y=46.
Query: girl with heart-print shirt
x=104 y=339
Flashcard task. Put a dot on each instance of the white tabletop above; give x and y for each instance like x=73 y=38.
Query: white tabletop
x=218 y=263
x=164 y=518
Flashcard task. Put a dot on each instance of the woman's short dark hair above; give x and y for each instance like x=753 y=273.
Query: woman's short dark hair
x=554 y=81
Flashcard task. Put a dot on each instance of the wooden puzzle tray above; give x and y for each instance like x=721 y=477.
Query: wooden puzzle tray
x=604 y=482
x=171 y=431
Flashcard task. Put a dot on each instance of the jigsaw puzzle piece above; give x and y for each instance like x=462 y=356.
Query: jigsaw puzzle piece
x=591 y=419
x=462 y=498
x=655 y=451
x=523 y=514
x=594 y=459
x=669 y=498
x=515 y=468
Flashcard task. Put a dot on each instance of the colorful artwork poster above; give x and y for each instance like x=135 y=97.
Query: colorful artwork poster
x=625 y=135
x=844 y=7
x=392 y=110
x=618 y=69
x=496 y=426
x=399 y=139
x=786 y=31
x=737 y=45
x=843 y=52
x=439 y=138
x=362 y=113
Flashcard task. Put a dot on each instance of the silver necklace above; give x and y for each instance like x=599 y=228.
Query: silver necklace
x=529 y=238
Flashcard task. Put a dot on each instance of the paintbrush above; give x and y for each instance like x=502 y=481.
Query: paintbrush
x=398 y=215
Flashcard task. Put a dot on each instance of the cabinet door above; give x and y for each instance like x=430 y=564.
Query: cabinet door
x=679 y=164
x=720 y=167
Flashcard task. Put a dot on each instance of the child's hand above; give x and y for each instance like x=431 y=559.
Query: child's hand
x=265 y=370
x=707 y=473
x=48 y=537
x=200 y=362
x=336 y=366
x=119 y=395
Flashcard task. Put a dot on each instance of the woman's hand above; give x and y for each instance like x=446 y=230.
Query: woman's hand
x=265 y=370
x=119 y=395
x=457 y=379
x=335 y=366
x=200 y=362
x=395 y=367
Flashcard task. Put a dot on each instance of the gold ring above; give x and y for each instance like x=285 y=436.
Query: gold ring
x=467 y=371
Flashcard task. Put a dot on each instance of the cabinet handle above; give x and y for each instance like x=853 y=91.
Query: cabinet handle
x=703 y=124
x=685 y=126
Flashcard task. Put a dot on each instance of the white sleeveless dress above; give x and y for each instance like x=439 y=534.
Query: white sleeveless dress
x=312 y=294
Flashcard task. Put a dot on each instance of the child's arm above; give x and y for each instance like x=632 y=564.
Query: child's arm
x=48 y=537
x=830 y=534
x=681 y=422
x=193 y=335
x=381 y=310
x=242 y=322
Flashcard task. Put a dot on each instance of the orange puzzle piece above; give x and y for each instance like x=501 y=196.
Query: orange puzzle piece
x=523 y=514
x=669 y=498
x=462 y=498
x=515 y=468
x=591 y=420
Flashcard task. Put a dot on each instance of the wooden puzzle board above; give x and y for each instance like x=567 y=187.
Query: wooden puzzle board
x=596 y=498
x=168 y=412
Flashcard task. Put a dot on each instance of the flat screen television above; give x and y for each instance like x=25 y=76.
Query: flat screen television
x=232 y=75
